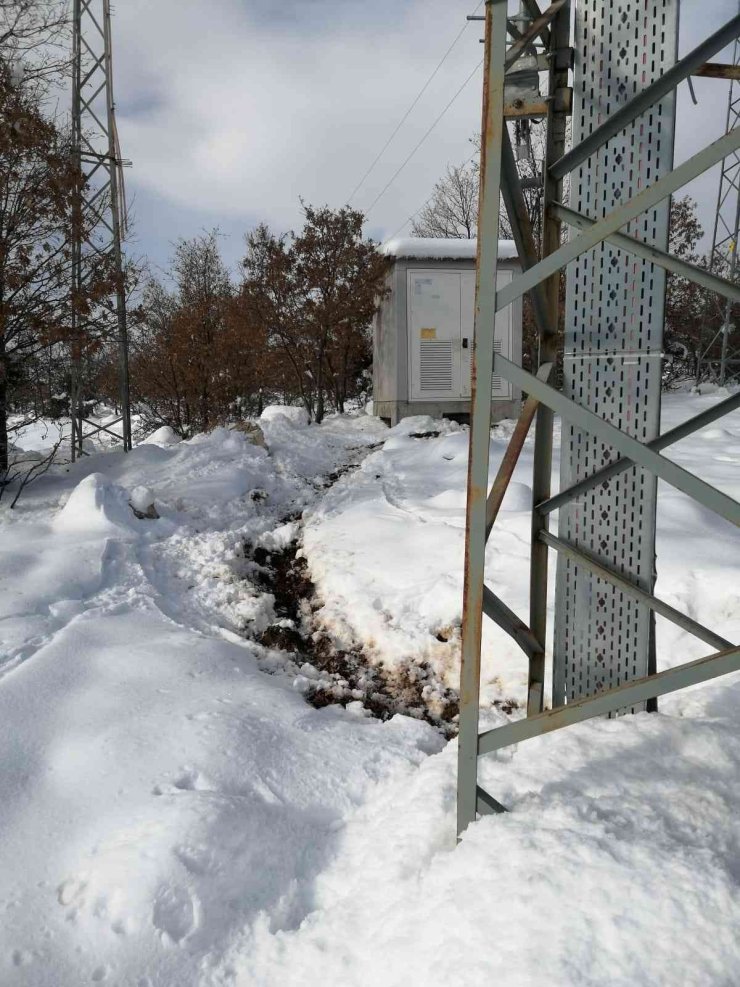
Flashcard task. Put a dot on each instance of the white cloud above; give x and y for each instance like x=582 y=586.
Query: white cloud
x=245 y=119
x=228 y=110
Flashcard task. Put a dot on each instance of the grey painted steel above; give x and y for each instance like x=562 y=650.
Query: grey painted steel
x=620 y=217
x=557 y=124
x=634 y=693
x=613 y=345
x=693 y=273
x=535 y=28
x=628 y=588
x=663 y=441
x=636 y=451
x=487 y=805
x=507 y=620
x=643 y=101
x=521 y=229
x=99 y=194
x=724 y=235
x=630 y=694
x=533 y=9
x=478 y=456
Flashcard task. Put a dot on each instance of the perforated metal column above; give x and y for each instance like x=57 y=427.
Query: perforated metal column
x=613 y=343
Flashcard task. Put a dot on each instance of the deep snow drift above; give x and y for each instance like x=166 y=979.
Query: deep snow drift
x=171 y=814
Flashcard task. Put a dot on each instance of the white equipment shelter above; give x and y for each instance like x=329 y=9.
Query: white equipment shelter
x=423 y=332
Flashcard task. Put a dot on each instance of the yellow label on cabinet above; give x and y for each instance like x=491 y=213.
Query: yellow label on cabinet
x=428 y=333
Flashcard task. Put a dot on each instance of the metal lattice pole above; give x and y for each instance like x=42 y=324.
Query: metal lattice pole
x=624 y=452
x=99 y=214
x=485 y=310
x=723 y=254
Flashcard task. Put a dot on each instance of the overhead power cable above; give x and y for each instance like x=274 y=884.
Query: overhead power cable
x=398 y=171
x=406 y=115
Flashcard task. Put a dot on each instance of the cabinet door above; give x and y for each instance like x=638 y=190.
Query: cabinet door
x=434 y=334
x=502 y=336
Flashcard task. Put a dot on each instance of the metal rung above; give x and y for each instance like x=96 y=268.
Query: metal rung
x=486 y=804
x=629 y=694
x=580 y=557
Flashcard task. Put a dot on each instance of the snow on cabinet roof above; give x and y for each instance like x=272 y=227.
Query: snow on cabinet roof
x=427 y=248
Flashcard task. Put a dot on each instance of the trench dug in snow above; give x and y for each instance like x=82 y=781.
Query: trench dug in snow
x=330 y=673
x=344 y=665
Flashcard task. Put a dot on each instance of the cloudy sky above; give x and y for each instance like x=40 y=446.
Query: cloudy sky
x=232 y=110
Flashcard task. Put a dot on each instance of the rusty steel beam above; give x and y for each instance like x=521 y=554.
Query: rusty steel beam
x=512 y=454
x=492 y=129
x=629 y=694
x=718 y=70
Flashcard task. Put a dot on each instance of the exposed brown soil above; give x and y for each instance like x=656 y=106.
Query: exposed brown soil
x=345 y=675
x=340 y=674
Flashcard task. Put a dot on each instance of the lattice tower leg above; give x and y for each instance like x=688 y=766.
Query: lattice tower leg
x=613 y=346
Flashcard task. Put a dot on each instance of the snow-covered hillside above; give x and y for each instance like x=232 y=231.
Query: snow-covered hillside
x=174 y=812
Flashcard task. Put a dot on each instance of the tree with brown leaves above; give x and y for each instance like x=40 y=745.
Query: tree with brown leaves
x=197 y=353
x=37 y=181
x=315 y=294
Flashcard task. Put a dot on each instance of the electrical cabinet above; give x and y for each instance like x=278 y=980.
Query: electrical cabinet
x=441 y=318
x=423 y=334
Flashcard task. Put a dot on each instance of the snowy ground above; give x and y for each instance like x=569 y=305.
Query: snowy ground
x=171 y=814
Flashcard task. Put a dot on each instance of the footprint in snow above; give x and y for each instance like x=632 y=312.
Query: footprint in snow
x=190 y=780
x=176 y=913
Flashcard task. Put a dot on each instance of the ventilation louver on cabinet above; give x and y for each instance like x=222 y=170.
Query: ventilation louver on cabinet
x=498 y=384
x=436 y=365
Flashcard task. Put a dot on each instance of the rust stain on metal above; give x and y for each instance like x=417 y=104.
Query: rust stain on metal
x=717 y=70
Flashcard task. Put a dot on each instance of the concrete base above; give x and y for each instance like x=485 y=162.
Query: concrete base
x=394 y=411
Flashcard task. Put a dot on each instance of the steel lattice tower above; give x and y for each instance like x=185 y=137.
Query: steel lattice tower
x=723 y=255
x=99 y=214
x=625 y=72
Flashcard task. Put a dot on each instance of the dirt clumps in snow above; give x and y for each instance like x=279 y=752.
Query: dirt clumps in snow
x=252 y=431
x=330 y=673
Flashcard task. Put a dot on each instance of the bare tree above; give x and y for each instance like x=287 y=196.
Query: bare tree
x=25 y=467
x=34 y=38
x=452 y=211
x=37 y=181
